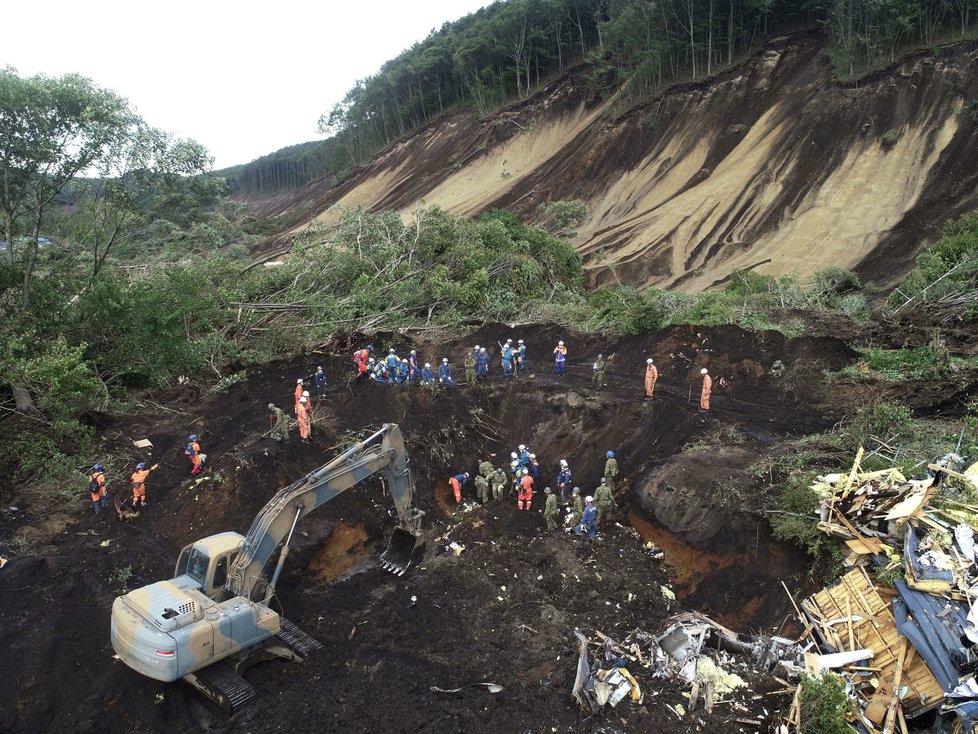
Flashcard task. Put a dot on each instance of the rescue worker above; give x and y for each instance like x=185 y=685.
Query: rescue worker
x=604 y=500
x=414 y=372
x=525 y=498
x=481 y=489
x=563 y=481
x=560 y=358
x=498 y=482
x=514 y=463
x=457 y=482
x=524 y=455
x=445 y=372
x=280 y=430
x=403 y=371
x=521 y=356
x=98 y=489
x=391 y=361
x=651 y=375
x=534 y=468
x=320 y=378
x=378 y=371
x=469 y=365
x=305 y=423
x=706 y=390
x=577 y=506
x=362 y=359
x=589 y=520
x=310 y=408
x=193 y=451
x=482 y=364
x=506 y=360
x=611 y=470
x=139 y=484
x=427 y=378
x=550 y=513
x=597 y=378
x=298 y=394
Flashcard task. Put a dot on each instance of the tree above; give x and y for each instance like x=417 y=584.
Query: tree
x=61 y=126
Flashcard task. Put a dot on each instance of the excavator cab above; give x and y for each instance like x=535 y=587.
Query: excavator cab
x=403 y=551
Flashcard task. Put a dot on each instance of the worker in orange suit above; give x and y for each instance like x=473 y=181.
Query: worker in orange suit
x=304 y=421
x=706 y=391
x=97 y=488
x=298 y=394
x=651 y=375
x=457 y=482
x=139 y=484
x=525 y=498
x=310 y=408
x=193 y=451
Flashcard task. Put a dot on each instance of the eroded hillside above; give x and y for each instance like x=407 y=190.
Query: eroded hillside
x=770 y=165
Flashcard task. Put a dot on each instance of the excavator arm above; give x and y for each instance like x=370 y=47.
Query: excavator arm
x=383 y=451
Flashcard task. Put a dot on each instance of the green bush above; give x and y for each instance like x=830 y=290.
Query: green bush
x=624 y=310
x=880 y=419
x=796 y=519
x=824 y=704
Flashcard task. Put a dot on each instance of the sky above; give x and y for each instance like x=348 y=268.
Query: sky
x=243 y=78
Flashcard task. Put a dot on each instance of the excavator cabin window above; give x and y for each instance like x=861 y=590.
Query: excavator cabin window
x=194 y=563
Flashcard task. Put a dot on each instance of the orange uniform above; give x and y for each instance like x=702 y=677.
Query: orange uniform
x=456 y=488
x=705 y=392
x=526 y=492
x=298 y=394
x=139 y=486
x=651 y=375
x=193 y=451
x=304 y=427
x=99 y=478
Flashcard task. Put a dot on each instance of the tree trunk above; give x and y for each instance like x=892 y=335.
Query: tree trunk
x=29 y=272
x=9 y=234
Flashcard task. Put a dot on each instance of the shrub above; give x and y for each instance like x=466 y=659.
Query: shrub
x=824 y=704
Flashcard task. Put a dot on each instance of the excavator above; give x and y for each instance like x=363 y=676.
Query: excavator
x=213 y=619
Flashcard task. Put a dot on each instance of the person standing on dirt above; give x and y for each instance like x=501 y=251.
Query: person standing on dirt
x=521 y=357
x=310 y=409
x=427 y=377
x=589 y=520
x=525 y=497
x=560 y=358
x=597 y=377
x=361 y=359
x=485 y=468
x=320 y=378
x=445 y=372
x=506 y=360
x=414 y=372
x=651 y=375
x=298 y=394
x=611 y=470
x=457 y=482
x=403 y=372
x=604 y=500
x=139 y=484
x=533 y=466
x=482 y=364
x=280 y=430
x=577 y=505
x=550 y=512
x=706 y=390
x=378 y=370
x=193 y=451
x=469 y=364
x=498 y=481
x=305 y=422
x=98 y=488
x=481 y=489
x=563 y=481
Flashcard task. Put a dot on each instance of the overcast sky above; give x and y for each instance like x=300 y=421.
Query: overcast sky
x=243 y=78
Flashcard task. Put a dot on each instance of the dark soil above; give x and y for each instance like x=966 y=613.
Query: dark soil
x=383 y=648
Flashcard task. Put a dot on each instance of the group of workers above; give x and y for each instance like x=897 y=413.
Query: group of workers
x=583 y=514
x=395 y=370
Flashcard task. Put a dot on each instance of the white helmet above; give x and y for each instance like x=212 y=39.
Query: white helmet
x=513 y=455
x=414 y=352
x=533 y=456
x=305 y=393
x=444 y=360
x=704 y=371
x=589 y=498
x=299 y=381
x=519 y=341
x=303 y=399
x=427 y=365
x=509 y=341
x=563 y=462
x=521 y=446
x=476 y=348
x=560 y=344
x=482 y=350
x=648 y=361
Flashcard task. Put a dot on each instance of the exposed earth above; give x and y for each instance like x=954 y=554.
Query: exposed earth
x=449 y=621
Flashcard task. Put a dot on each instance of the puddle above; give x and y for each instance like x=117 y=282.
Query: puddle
x=344 y=553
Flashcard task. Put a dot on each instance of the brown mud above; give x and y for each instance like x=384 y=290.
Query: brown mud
x=449 y=621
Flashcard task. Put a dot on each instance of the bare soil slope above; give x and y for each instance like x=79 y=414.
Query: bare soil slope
x=770 y=166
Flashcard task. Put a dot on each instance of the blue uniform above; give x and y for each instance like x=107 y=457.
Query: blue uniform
x=563 y=482
x=320 y=381
x=402 y=373
x=445 y=374
x=524 y=458
x=534 y=468
x=426 y=377
x=521 y=357
x=392 y=361
x=507 y=361
x=413 y=371
x=589 y=522
x=379 y=372
x=482 y=364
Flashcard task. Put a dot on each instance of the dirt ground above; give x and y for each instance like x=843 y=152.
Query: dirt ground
x=449 y=621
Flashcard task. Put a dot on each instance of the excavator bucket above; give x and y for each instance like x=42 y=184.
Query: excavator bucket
x=404 y=550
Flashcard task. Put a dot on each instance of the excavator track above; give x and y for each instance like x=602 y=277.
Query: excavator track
x=297 y=640
x=223 y=686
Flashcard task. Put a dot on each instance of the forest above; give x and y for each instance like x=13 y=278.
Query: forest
x=506 y=49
